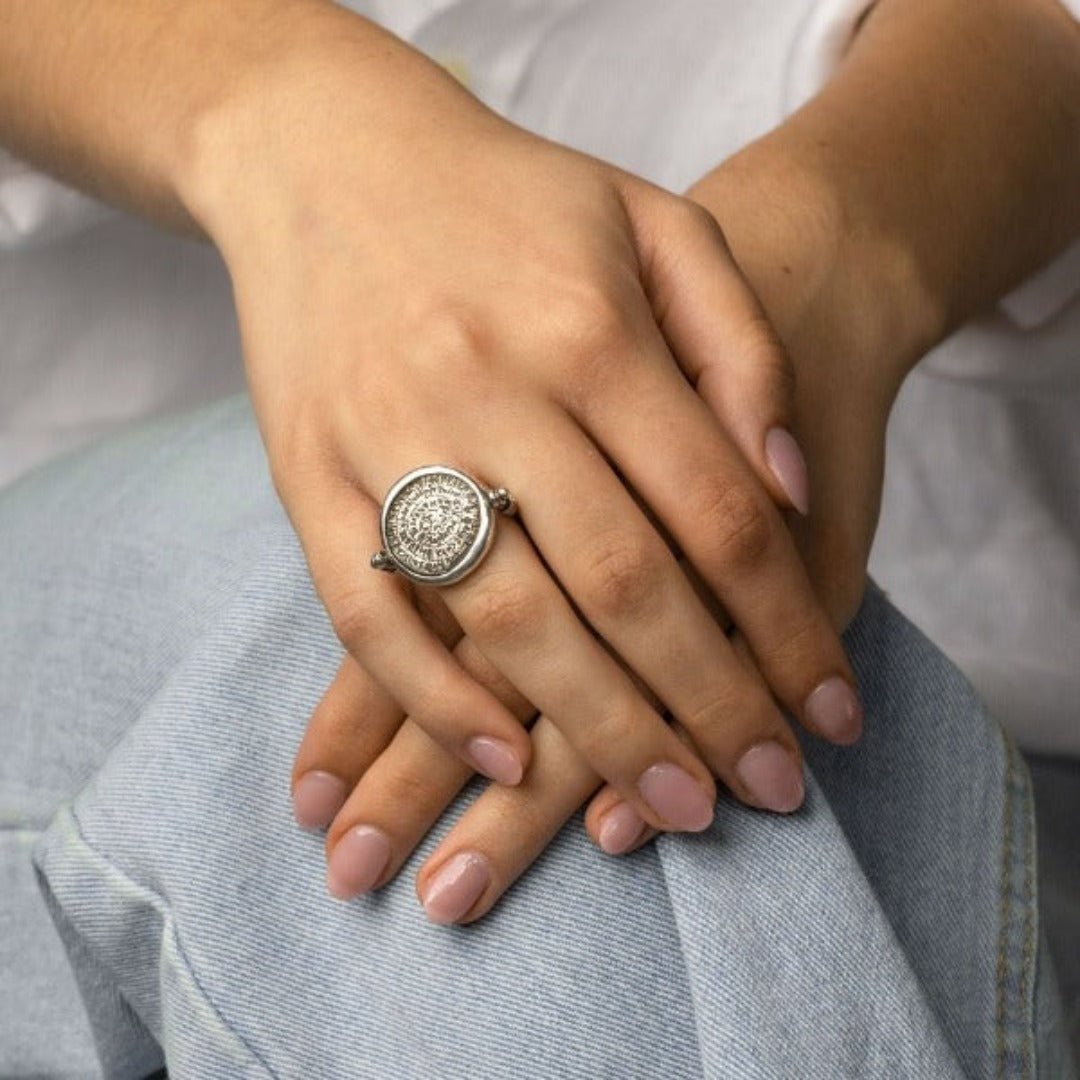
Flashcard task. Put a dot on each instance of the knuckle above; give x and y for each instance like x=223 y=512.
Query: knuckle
x=438 y=705
x=405 y=786
x=714 y=710
x=531 y=823
x=695 y=217
x=355 y=620
x=797 y=648
x=621 y=741
x=449 y=343
x=740 y=532
x=620 y=725
x=503 y=609
x=767 y=358
x=722 y=720
x=450 y=329
x=298 y=453
x=587 y=318
x=622 y=576
x=591 y=332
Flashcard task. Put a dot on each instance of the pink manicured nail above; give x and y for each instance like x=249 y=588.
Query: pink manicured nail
x=495 y=759
x=456 y=887
x=317 y=798
x=676 y=797
x=772 y=778
x=621 y=829
x=788 y=465
x=357 y=862
x=834 y=711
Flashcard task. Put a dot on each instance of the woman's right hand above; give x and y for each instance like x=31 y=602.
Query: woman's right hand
x=381 y=785
x=420 y=282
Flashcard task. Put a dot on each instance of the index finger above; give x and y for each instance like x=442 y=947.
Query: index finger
x=686 y=468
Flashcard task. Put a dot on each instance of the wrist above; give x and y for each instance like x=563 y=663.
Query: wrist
x=841 y=294
x=323 y=99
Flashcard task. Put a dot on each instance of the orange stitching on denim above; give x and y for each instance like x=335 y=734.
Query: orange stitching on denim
x=1029 y=912
x=1018 y=838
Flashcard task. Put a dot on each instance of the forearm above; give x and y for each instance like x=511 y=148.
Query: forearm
x=117 y=97
x=938 y=168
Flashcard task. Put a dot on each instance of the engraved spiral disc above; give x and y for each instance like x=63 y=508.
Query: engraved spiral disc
x=436 y=524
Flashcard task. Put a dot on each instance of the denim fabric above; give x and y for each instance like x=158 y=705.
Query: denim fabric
x=160 y=650
x=1057 y=806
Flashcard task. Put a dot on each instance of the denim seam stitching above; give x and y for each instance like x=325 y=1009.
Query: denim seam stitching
x=158 y=903
x=1016 y=954
x=1003 y=914
x=1027 y=985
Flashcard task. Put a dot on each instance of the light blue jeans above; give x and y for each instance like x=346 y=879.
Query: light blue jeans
x=160 y=651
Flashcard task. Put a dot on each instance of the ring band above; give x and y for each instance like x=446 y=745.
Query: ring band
x=437 y=524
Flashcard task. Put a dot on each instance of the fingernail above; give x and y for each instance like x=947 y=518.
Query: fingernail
x=317 y=798
x=772 y=777
x=456 y=887
x=788 y=465
x=676 y=797
x=834 y=711
x=495 y=759
x=621 y=829
x=357 y=862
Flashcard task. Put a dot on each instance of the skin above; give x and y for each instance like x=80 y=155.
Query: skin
x=418 y=280
x=384 y=328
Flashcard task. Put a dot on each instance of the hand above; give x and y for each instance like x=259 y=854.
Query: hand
x=507 y=310
x=842 y=405
x=860 y=272
x=401 y=782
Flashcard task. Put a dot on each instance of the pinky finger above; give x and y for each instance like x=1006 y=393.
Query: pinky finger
x=614 y=825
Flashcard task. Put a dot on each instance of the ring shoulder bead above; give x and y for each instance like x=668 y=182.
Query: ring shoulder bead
x=501 y=500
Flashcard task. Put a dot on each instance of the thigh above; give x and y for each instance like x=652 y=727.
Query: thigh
x=887 y=930
x=110 y=565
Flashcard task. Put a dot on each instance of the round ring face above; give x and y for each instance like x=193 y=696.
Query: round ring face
x=436 y=525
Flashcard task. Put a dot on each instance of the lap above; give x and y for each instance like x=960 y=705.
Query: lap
x=161 y=651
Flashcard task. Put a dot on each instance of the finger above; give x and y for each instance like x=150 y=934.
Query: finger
x=723 y=341
x=498 y=838
x=707 y=497
x=520 y=620
x=392 y=807
x=617 y=829
x=438 y=617
x=400 y=793
x=632 y=591
x=352 y=724
x=378 y=625
x=614 y=825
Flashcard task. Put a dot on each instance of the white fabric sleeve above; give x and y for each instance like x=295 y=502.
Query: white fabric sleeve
x=1043 y=312
x=35 y=209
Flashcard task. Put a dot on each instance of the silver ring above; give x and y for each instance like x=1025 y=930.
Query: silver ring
x=437 y=525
